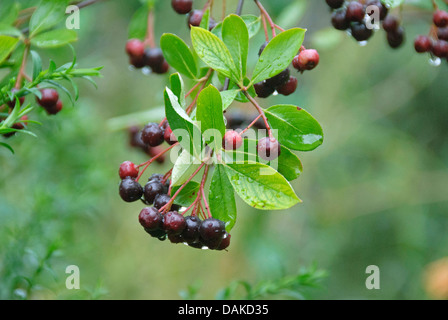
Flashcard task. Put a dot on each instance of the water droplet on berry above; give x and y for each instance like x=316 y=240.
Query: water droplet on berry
x=146 y=71
x=435 y=61
x=362 y=43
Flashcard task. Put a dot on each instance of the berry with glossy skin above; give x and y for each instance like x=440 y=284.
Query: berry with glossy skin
x=422 y=44
x=268 y=148
x=152 y=134
x=355 y=12
x=263 y=90
x=263 y=46
x=289 y=87
x=158 y=233
x=154 y=151
x=169 y=137
x=306 y=60
x=162 y=199
x=191 y=231
x=335 y=4
x=440 y=49
x=360 y=32
x=174 y=223
x=339 y=20
x=395 y=38
x=442 y=33
x=391 y=24
x=279 y=79
x=383 y=9
x=12 y=103
x=49 y=98
x=175 y=238
x=135 y=48
x=212 y=232
x=195 y=18
x=182 y=6
x=128 y=169
x=225 y=243
x=137 y=62
x=155 y=177
x=151 y=190
x=440 y=18
x=232 y=140
x=130 y=190
x=150 y=219
x=154 y=57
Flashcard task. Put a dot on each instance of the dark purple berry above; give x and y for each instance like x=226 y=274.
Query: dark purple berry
x=54 y=109
x=442 y=33
x=12 y=103
x=335 y=4
x=174 y=223
x=195 y=18
x=151 y=190
x=268 y=148
x=161 y=69
x=395 y=38
x=212 y=229
x=360 y=31
x=440 y=49
x=130 y=190
x=383 y=9
x=225 y=243
x=158 y=233
x=355 y=11
x=182 y=6
x=263 y=46
x=49 y=98
x=175 y=238
x=137 y=61
x=339 y=20
x=162 y=199
x=263 y=90
x=422 y=44
x=128 y=169
x=289 y=87
x=391 y=24
x=152 y=134
x=155 y=177
x=150 y=219
x=191 y=231
x=153 y=57
x=279 y=79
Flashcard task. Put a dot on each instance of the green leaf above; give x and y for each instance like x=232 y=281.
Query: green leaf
x=214 y=53
x=7 y=146
x=177 y=86
x=8 y=12
x=297 y=129
x=139 y=23
x=8 y=30
x=37 y=64
x=393 y=3
x=228 y=97
x=222 y=198
x=187 y=195
x=48 y=14
x=210 y=116
x=253 y=24
x=278 y=54
x=261 y=187
x=178 y=55
x=185 y=130
x=7 y=45
x=236 y=37
x=183 y=168
x=54 y=38
x=205 y=21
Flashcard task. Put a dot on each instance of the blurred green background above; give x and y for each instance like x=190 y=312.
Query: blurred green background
x=375 y=193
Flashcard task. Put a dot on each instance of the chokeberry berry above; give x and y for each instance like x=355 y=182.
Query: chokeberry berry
x=12 y=103
x=161 y=69
x=195 y=18
x=128 y=169
x=383 y=9
x=17 y=126
x=225 y=243
x=135 y=48
x=440 y=18
x=278 y=80
x=155 y=177
x=355 y=11
x=169 y=136
x=335 y=4
x=440 y=49
x=395 y=38
x=391 y=24
x=175 y=238
x=212 y=229
x=263 y=90
x=306 y=60
x=137 y=62
x=151 y=190
x=360 y=31
x=442 y=33
x=232 y=140
x=174 y=223
x=289 y=87
x=339 y=20
x=263 y=46
x=130 y=190
x=158 y=233
x=150 y=219
x=235 y=120
x=162 y=199
x=152 y=134
x=153 y=57
x=268 y=148
x=422 y=44
x=49 y=98
x=191 y=231
x=182 y=6
x=54 y=109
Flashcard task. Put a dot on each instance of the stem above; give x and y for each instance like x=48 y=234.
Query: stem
x=266 y=14
x=150 y=30
x=261 y=112
x=147 y=163
x=250 y=125
x=21 y=73
x=204 y=179
x=265 y=27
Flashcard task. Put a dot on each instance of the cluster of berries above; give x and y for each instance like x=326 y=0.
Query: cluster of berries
x=353 y=15
x=437 y=44
x=135 y=141
x=140 y=56
x=194 y=16
x=284 y=83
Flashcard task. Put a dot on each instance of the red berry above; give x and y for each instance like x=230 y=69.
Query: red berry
x=182 y=6
x=232 y=140
x=306 y=60
x=440 y=18
x=128 y=169
x=135 y=48
x=440 y=49
x=49 y=98
x=174 y=223
x=355 y=11
x=150 y=219
x=195 y=18
x=422 y=44
x=289 y=87
x=55 y=109
x=390 y=24
x=442 y=33
x=268 y=148
x=12 y=103
x=169 y=136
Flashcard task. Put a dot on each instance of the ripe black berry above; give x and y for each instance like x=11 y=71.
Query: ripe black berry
x=155 y=177
x=440 y=18
x=137 y=61
x=49 y=98
x=390 y=24
x=135 y=48
x=162 y=199
x=175 y=238
x=383 y=9
x=360 y=31
x=289 y=87
x=440 y=49
x=130 y=190
x=306 y=60
x=442 y=33
x=191 y=231
x=158 y=233
x=422 y=44
x=128 y=169
x=263 y=90
x=395 y=38
x=355 y=11
x=195 y=17
x=55 y=109
x=268 y=148
x=152 y=134
x=161 y=69
x=263 y=46
x=150 y=219
x=212 y=229
x=225 y=243
x=153 y=57
x=182 y=6
x=174 y=223
x=339 y=20
x=232 y=140
x=151 y=190
x=335 y=4
x=279 y=79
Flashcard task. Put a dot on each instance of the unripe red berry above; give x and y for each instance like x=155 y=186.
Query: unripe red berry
x=306 y=60
x=182 y=6
x=150 y=219
x=49 y=98
x=268 y=148
x=440 y=18
x=390 y=24
x=355 y=11
x=422 y=44
x=128 y=169
x=440 y=49
x=135 y=48
x=232 y=140
x=289 y=87
x=195 y=18
x=169 y=136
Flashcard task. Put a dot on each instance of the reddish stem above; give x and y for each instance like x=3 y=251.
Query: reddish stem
x=261 y=112
x=147 y=163
x=21 y=73
x=250 y=125
x=268 y=17
x=265 y=27
x=150 y=30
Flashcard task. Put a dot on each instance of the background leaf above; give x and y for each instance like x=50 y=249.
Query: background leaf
x=139 y=23
x=7 y=45
x=54 y=38
x=253 y=24
x=48 y=14
x=178 y=55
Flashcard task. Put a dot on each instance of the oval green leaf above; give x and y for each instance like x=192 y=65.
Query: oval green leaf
x=178 y=55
